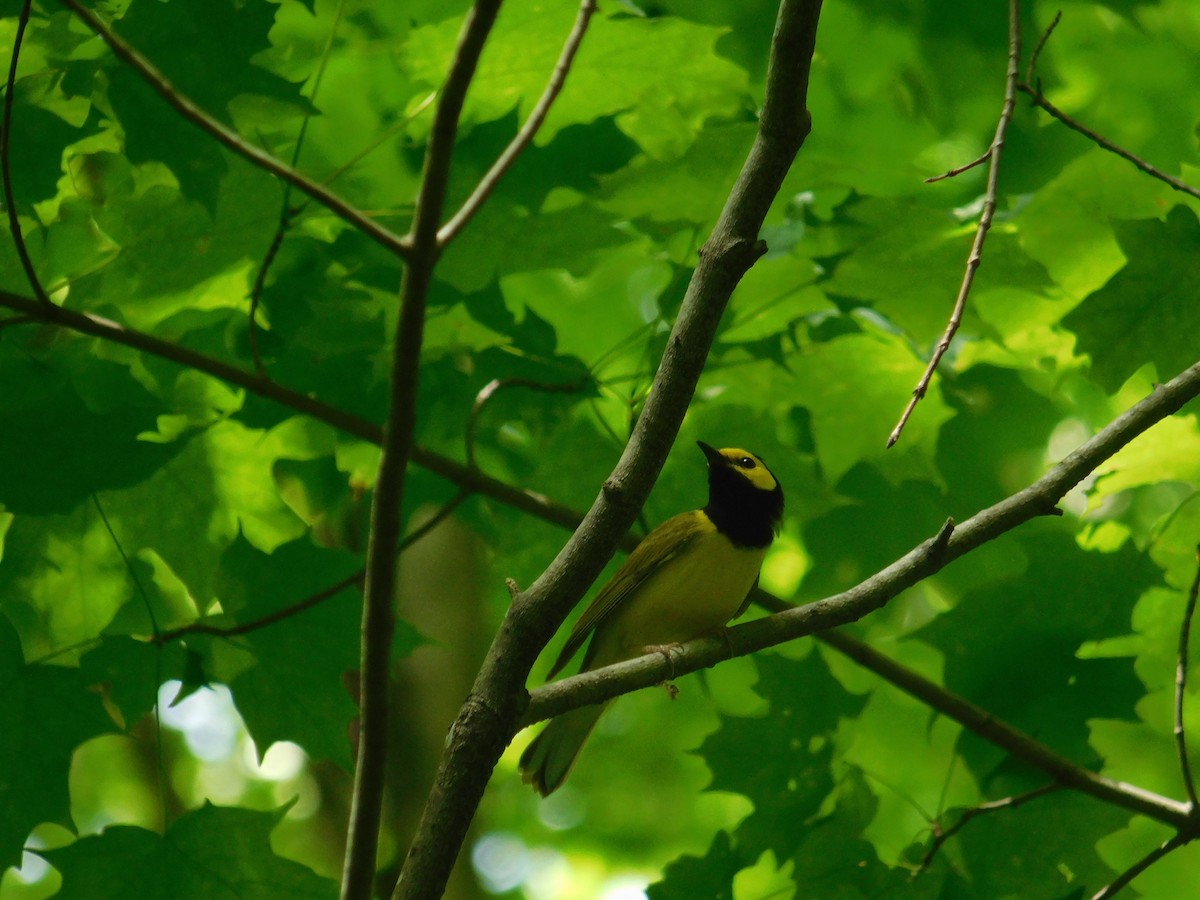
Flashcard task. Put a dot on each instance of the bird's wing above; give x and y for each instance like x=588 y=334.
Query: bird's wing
x=663 y=544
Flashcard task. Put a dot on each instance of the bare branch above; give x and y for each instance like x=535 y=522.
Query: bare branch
x=280 y=615
x=294 y=609
x=1181 y=668
x=260 y=280
x=1019 y=745
x=1141 y=866
x=1037 y=50
x=485 y=724
x=464 y=476
x=1040 y=101
x=10 y=202
x=985 y=218
x=495 y=386
x=965 y=167
x=941 y=835
x=1032 y=86
x=525 y=136
x=232 y=140
x=378 y=621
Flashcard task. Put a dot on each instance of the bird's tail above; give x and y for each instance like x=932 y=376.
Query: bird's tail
x=549 y=757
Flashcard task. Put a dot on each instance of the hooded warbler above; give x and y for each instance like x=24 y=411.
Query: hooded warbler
x=688 y=577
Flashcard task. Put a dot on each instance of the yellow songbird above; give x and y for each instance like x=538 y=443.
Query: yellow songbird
x=688 y=577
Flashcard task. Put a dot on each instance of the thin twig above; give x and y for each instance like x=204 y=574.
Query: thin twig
x=504 y=162
x=1040 y=101
x=985 y=218
x=495 y=386
x=232 y=140
x=292 y=609
x=1181 y=668
x=965 y=167
x=320 y=596
x=285 y=221
x=286 y=211
x=160 y=753
x=10 y=202
x=1016 y=743
x=378 y=623
x=1032 y=86
x=941 y=835
x=1037 y=50
x=1141 y=866
x=378 y=141
x=464 y=476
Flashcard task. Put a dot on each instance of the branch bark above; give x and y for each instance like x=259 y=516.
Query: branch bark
x=490 y=714
x=379 y=617
x=30 y=311
x=529 y=130
x=975 y=257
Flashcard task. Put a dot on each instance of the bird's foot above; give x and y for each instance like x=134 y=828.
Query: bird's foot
x=666 y=650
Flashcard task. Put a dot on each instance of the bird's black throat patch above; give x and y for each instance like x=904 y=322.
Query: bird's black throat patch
x=747 y=515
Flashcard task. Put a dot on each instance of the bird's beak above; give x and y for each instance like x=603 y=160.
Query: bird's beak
x=711 y=454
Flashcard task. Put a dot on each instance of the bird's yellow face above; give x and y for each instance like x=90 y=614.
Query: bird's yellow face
x=749 y=467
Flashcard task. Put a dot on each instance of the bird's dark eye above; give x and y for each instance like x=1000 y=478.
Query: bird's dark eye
x=746 y=462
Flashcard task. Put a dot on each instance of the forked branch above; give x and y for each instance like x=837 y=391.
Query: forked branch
x=490 y=714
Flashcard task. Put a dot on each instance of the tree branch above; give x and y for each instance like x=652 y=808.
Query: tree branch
x=941 y=835
x=232 y=140
x=260 y=281
x=975 y=257
x=1032 y=86
x=313 y=600
x=10 y=202
x=398 y=439
x=486 y=722
x=924 y=560
x=1181 y=668
x=1018 y=744
x=1041 y=102
x=525 y=136
x=106 y=329
x=1124 y=879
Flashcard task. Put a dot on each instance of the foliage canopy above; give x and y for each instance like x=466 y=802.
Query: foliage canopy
x=144 y=492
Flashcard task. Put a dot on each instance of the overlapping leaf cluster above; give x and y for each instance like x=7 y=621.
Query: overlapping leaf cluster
x=138 y=497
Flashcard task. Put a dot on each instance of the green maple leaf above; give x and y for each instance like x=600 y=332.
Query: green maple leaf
x=211 y=853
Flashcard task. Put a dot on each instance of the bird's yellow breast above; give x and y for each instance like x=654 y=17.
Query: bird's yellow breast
x=694 y=594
